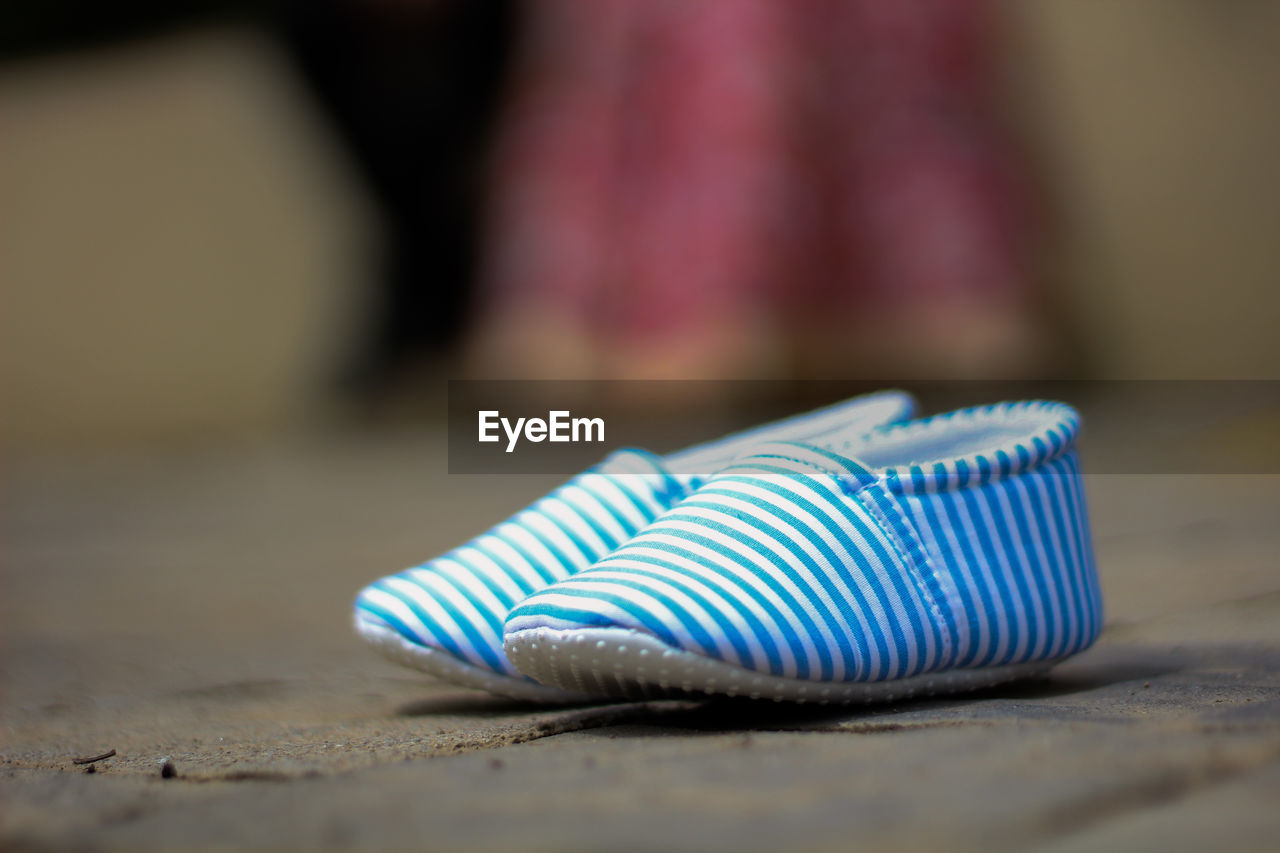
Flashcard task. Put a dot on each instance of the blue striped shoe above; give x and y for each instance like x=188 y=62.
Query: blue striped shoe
x=445 y=616
x=939 y=555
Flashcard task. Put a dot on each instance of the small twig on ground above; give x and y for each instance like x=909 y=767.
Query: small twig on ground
x=107 y=754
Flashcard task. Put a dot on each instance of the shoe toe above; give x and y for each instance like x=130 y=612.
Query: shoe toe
x=419 y=608
x=682 y=613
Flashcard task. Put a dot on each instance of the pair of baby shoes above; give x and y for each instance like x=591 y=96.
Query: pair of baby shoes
x=848 y=554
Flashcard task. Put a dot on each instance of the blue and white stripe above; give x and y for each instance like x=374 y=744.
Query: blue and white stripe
x=954 y=542
x=456 y=604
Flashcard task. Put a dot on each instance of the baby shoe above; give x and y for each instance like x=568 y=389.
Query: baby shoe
x=445 y=616
x=939 y=555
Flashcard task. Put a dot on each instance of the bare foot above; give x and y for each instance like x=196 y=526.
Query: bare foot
x=532 y=344
x=731 y=348
x=962 y=338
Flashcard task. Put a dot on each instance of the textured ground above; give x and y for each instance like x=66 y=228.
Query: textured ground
x=193 y=605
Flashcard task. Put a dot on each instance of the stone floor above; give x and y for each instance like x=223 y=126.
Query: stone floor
x=193 y=605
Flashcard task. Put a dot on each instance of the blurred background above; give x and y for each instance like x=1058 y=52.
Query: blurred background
x=235 y=217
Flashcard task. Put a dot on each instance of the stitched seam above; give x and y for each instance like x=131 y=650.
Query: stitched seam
x=806 y=463
x=1003 y=413
x=915 y=571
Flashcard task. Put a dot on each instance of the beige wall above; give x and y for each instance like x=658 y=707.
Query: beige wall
x=179 y=244
x=1159 y=123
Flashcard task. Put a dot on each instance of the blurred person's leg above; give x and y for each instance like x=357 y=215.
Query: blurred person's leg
x=550 y=222
x=707 y=208
x=412 y=86
x=932 y=226
x=643 y=212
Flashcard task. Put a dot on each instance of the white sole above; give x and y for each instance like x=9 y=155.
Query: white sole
x=620 y=662
x=444 y=666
